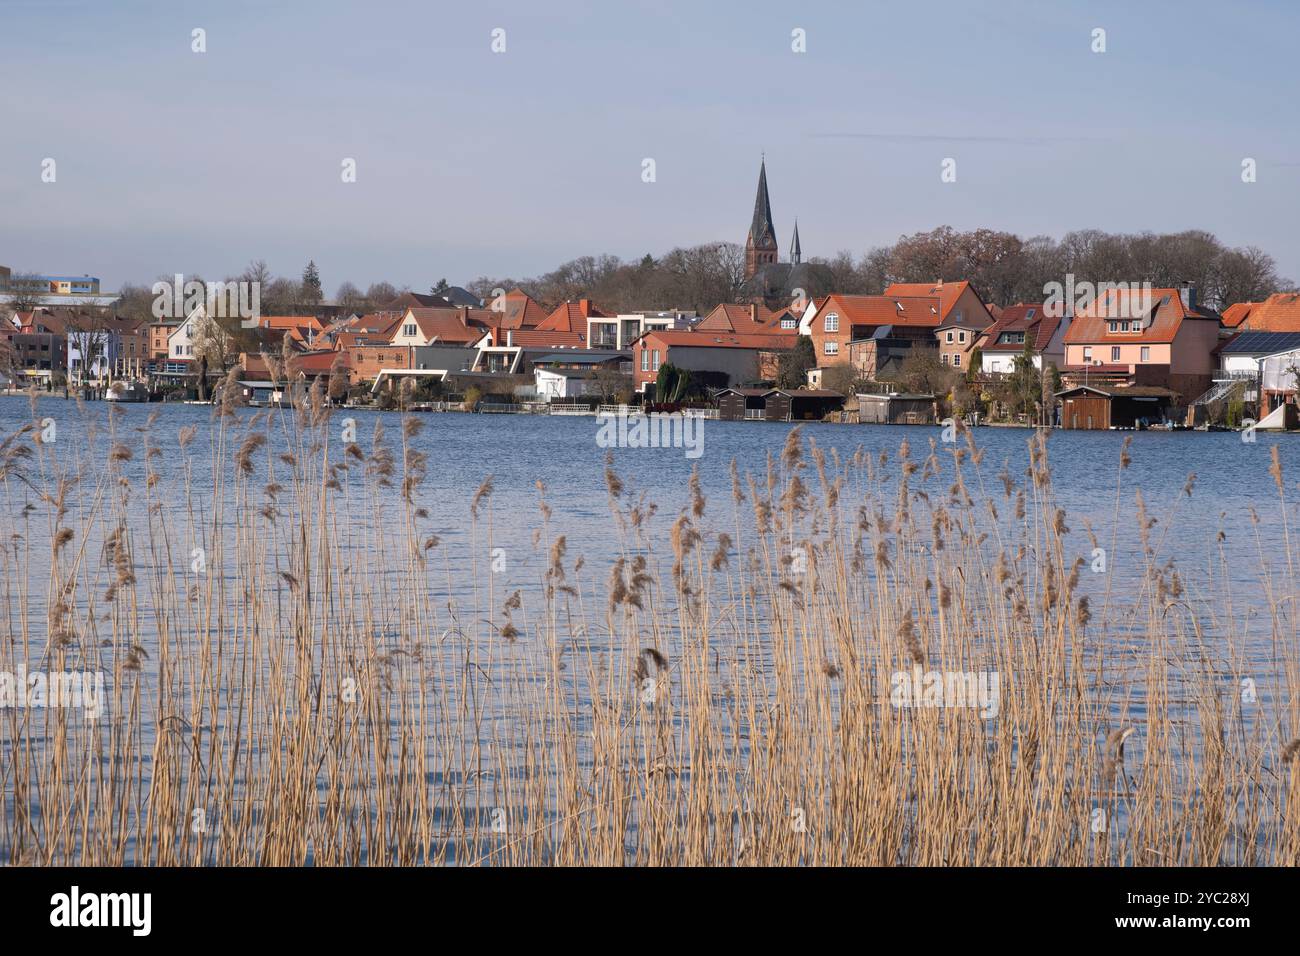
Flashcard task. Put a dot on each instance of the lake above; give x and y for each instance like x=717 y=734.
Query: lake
x=451 y=600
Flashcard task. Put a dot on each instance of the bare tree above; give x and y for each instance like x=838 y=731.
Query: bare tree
x=88 y=336
x=25 y=292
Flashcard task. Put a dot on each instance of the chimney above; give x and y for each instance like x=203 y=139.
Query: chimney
x=584 y=306
x=1188 y=294
x=510 y=339
x=753 y=312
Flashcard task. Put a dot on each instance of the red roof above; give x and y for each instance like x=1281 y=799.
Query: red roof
x=1161 y=318
x=445 y=326
x=745 y=319
x=539 y=338
x=1030 y=319
x=1237 y=313
x=519 y=310
x=876 y=310
x=1280 y=312
x=946 y=292
x=571 y=317
x=724 y=340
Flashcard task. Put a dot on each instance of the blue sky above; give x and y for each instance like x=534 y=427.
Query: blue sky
x=472 y=163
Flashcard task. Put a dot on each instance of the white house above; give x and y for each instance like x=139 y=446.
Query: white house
x=180 y=343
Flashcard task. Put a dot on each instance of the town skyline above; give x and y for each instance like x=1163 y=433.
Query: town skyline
x=470 y=178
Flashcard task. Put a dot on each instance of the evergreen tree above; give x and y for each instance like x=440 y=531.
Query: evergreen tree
x=311 y=288
x=793 y=368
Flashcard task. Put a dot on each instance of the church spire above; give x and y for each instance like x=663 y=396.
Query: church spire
x=761 y=231
x=796 y=253
x=760 y=245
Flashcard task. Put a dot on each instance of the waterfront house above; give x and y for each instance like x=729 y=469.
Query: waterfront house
x=620 y=331
x=733 y=357
x=38 y=347
x=577 y=373
x=963 y=317
x=870 y=332
x=1004 y=340
x=98 y=346
x=445 y=326
x=159 y=332
x=1125 y=337
x=1279 y=382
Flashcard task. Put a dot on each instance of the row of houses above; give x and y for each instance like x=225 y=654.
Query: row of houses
x=1160 y=340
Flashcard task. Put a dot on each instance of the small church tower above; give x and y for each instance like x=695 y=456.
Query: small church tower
x=760 y=246
x=796 y=253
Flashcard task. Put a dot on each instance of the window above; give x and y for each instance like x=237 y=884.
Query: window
x=961 y=336
x=943 y=357
x=1114 y=353
x=656 y=361
x=1146 y=353
x=1123 y=326
x=948 y=336
x=1087 y=354
x=832 y=322
x=1114 y=326
x=645 y=360
x=957 y=316
x=832 y=348
x=788 y=323
x=408 y=328
x=956 y=359
x=1029 y=314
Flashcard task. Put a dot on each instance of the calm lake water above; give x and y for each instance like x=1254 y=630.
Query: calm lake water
x=1232 y=476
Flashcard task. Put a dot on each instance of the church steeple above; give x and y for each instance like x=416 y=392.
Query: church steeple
x=760 y=246
x=796 y=253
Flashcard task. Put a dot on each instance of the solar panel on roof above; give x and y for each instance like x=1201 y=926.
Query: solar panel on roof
x=1263 y=342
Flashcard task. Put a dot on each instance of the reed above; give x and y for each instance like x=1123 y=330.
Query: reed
x=301 y=671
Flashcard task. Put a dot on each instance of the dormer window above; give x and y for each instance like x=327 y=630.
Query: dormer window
x=1114 y=326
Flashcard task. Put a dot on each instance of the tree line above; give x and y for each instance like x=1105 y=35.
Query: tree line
x=1003 y=267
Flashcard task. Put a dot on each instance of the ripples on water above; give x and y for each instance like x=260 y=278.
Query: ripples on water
x=518 y=451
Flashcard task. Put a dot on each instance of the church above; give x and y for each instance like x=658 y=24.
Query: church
x=769 y=281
